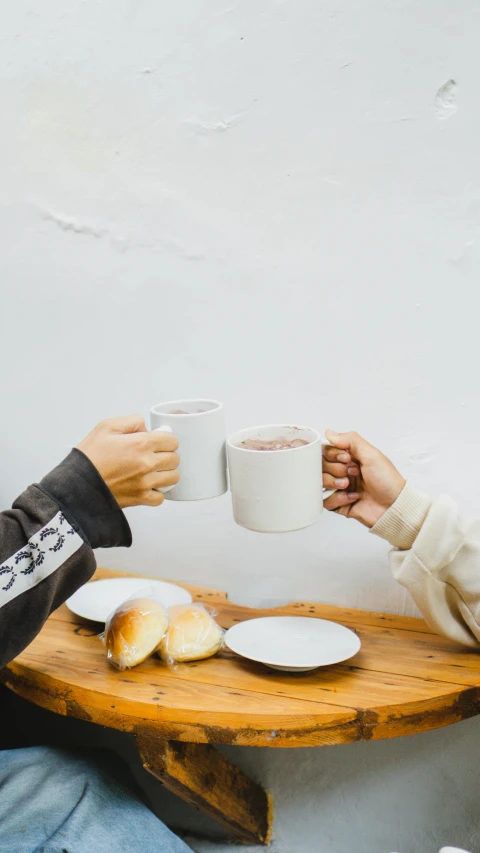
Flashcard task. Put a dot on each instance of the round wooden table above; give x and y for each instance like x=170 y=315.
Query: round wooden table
x=404 y=680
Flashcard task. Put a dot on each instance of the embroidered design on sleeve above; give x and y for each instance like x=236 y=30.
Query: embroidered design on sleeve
x=43 y=554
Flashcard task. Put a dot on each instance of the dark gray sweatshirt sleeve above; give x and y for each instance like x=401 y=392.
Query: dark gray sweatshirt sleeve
x=46 y=543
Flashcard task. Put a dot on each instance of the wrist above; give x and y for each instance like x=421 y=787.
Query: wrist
x=86 y=501
x=395 y=494
x=401 y=523
x=370 y=512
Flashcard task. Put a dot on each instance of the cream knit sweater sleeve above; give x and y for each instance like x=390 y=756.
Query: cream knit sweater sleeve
x=436 y=557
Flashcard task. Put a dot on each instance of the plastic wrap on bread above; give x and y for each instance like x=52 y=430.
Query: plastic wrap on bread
x=192 y=634
x=135 y=630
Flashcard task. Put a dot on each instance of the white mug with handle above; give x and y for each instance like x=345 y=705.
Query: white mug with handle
x=200 y=428
x=277 y=491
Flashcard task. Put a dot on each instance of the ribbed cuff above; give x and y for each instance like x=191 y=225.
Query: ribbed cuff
x=87 y=502
x=401 y=524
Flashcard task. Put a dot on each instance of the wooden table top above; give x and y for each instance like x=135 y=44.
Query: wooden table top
x=403 y=680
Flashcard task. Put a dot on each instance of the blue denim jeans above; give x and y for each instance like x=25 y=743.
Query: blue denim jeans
x=55 y=801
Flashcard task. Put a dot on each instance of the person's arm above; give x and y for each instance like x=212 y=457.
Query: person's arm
x=46 y=543
x=436 y=557
x=47 y=538
x=436 y=552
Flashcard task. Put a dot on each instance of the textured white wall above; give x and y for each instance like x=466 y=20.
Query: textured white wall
x=276 y=204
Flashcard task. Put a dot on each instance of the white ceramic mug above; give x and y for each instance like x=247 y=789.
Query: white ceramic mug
x=201 y=436
x=276 y=491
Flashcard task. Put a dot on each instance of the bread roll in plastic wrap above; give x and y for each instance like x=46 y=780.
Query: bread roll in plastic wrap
x=134 y=631
x=192 y=634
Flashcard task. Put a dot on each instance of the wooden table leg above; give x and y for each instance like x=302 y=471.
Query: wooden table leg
x=203 y=777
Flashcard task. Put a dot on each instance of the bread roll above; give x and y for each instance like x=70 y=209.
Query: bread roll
x=134 y=631
x=192 y=634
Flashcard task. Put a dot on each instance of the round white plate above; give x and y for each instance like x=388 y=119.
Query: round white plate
x=97 y=600
x=292 y=643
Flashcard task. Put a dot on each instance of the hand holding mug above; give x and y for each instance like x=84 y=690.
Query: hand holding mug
x=374 y=483
x=133 y=462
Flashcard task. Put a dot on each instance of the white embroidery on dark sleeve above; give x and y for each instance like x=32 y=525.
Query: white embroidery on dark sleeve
x=43 y=554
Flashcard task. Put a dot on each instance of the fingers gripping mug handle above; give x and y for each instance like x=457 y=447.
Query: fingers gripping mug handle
x=164 y=428
x=327 y=493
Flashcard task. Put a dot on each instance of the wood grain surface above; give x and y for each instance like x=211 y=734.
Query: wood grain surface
x=403 y=680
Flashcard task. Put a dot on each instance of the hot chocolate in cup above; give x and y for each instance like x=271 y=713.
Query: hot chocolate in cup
x=276 y=477
x=278 y=443
x=200 y=428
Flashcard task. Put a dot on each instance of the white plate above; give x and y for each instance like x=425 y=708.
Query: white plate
x=292 y=643
x=97 y=600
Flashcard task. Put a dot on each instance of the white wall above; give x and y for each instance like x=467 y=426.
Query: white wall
x=268 y=203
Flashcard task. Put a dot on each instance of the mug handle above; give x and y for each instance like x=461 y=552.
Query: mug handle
x=327 y=493
x=164 y=428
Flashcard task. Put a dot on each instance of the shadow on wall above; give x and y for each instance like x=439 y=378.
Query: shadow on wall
x=411 y=794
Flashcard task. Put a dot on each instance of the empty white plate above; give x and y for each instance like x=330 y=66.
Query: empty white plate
x=292 y=643
x=97 y=600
